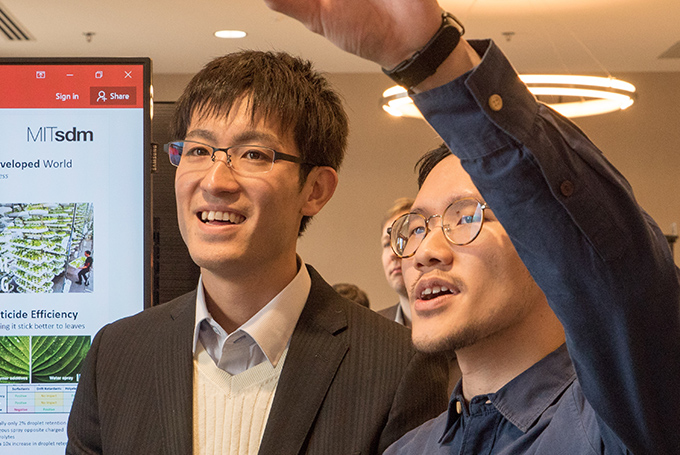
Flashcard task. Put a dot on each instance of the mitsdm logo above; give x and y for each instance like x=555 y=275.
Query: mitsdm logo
x=53 y=134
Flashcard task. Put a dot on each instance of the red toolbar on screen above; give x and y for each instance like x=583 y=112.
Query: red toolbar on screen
x=73 y=86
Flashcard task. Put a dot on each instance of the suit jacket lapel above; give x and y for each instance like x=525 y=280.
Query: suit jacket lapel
x=316 y=350
x=174 y=373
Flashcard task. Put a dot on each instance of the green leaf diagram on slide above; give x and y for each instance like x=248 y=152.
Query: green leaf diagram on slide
x=58 y=358
x=14 y=359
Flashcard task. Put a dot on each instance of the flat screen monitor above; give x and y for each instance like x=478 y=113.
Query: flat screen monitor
x=75 y=234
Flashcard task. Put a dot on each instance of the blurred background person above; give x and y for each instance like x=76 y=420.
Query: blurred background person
x=401 y=311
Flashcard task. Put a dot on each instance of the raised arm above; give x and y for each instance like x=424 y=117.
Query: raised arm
x=601 y=261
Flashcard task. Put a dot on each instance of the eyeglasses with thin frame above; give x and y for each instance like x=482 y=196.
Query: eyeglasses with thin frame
x=242 y=158
x=461 y=223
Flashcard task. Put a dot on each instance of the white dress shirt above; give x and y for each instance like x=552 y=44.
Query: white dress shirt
x=265 y=336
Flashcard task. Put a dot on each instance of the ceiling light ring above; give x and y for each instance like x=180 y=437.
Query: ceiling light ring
x=597 y=95
x=573 y=87
x=579 y=86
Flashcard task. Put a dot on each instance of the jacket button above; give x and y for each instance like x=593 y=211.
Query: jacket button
x=495 y=102
x=567 y=188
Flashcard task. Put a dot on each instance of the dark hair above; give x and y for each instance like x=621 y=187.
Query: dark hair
x=276 y=87
x=88 y=252
x=429 y=160
x=353 y=293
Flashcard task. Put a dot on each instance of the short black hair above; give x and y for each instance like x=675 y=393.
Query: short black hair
x=429 y=160
x=276 y=86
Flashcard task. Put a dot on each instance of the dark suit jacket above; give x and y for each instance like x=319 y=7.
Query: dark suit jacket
x=390 y=312
x=351 y=383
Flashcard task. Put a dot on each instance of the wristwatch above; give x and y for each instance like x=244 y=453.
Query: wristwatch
x=425 y=62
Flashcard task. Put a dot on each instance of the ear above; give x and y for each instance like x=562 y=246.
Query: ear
x=318 y=189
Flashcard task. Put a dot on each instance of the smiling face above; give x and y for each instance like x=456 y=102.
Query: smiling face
x=464 y=295
x=237 y=224
x=391 y=263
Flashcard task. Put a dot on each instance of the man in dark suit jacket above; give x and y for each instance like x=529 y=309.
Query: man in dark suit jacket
x=260 y=137
x=338 y=392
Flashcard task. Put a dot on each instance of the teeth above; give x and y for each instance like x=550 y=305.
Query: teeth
x=433 y=291
x=236 y=218
x=214 y=215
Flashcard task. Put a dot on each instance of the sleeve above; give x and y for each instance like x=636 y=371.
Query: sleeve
x=601 y=261
x=84 y=435
x=420 y=396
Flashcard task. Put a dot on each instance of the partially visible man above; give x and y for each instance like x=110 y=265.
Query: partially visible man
x=401 y=311
x=525 y=251
x=264 y=357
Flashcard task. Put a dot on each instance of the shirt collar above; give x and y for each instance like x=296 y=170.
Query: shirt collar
x=202 y=312
x=273 y=325
x=524 y=399
x=399 y=317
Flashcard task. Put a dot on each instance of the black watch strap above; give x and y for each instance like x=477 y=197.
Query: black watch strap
x=425 y=62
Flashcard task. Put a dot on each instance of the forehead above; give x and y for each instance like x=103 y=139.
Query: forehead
x=447 y=182
x=214 y=124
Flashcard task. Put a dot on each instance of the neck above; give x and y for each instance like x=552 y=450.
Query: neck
x=232 y=299
x=494 y=361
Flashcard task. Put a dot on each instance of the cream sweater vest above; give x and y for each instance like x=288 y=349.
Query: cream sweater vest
x=230 y=412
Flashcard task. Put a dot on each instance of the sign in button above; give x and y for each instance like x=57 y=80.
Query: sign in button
x=113 y=96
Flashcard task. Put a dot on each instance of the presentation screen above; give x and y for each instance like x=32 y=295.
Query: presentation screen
x=74 y=229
